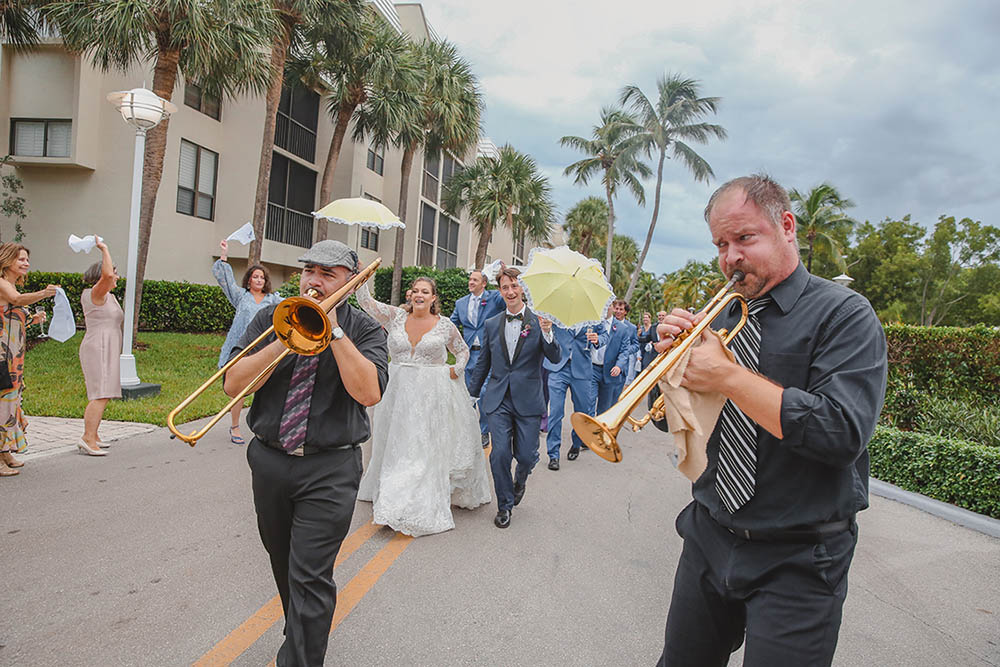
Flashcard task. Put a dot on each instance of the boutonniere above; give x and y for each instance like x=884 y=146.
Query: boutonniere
x=614 y=327
x=525 y=330
x=482 y=302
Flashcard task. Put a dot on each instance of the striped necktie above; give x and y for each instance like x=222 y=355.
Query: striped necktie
x=295 y=417
x=735 y=477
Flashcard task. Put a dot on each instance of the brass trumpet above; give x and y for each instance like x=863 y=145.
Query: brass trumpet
x=300 y=324
x=600 y=433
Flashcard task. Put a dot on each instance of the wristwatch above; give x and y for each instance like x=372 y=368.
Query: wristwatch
x=337 y=333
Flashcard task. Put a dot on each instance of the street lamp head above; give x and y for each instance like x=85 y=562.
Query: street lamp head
x=141 y=108
x=843 y=279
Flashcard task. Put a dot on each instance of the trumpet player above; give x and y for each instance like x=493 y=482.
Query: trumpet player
x=770 y=534
x=308 y=419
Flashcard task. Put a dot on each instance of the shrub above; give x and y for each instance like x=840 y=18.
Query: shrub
x=955 y=360
x=971 y=420
x=166 y=306
x=947 y=469
x=452 y=284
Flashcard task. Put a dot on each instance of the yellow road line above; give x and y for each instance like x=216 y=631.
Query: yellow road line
x=240 y=639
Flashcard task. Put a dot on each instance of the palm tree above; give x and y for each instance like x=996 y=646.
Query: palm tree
x=667 y=125
x=217 y=43
x=613 y=150
x=362 y=68
x=444 y=116
x=20 y=22
x=291 y=16
x=506 y=190
x=624 y=252
x=586 y=221
x=648 y=294
x=821 y=220
x=691 y=285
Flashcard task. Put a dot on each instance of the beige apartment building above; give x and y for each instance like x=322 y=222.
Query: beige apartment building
x=74 y=154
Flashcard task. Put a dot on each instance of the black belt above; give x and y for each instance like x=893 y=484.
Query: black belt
x=811 y=534
x=304 y=450
x=476 y=347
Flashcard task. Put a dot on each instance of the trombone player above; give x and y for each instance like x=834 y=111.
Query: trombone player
x=770 y=534
x=308 y=419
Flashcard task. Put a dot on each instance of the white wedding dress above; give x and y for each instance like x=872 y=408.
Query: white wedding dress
x=427 y=451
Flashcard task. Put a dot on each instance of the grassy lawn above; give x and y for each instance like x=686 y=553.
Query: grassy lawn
x=180 y=363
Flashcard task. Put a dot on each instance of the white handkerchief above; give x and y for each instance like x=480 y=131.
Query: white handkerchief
x=244 y=234
x=63 y=326
x=86 y=244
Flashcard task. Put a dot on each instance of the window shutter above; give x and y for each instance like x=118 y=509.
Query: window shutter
x=29 y=139
x=188 y=164
x=206 y=174
x=59 y=139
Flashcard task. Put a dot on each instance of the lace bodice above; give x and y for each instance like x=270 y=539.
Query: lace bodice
x=431 y=350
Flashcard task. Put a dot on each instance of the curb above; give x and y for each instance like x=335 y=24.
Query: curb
x=963 y=517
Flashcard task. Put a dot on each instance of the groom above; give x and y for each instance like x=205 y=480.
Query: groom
x=471 y=313
x=514 y=343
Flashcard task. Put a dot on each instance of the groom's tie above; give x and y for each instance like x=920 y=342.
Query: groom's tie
x=735 y=479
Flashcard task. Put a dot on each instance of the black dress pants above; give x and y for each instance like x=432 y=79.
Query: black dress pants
x=304 y=506
x=786 y=599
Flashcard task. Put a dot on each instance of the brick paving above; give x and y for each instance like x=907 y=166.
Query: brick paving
x=54 y=435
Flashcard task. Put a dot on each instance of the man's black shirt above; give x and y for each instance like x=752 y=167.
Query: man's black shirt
x=335 y=418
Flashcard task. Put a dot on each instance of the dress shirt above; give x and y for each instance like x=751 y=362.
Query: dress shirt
x=335 y=418
x=597 y=353
x=825 y=346
x=474 y=300
x=512 y=329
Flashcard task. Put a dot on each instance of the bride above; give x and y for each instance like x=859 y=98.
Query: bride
x=426 y=446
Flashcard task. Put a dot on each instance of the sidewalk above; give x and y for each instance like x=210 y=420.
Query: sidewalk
x=54 y=435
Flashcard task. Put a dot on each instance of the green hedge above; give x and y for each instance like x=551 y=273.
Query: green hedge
x=953 y=471
x=944 y=359
x=166 y=306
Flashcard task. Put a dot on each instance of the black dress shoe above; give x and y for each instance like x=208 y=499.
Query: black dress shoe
x=502 y=519
x=553 y=464
x=573 y=453
x=518 y=493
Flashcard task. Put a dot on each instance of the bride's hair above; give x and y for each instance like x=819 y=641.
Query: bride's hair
x=435 y=307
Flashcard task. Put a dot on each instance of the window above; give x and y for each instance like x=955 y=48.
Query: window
x=291 y=197
x=40 y=138
x=196 y=181
x=519 y=248
x=448 y=169
x=297 y=120
x=447 y=253
x=376 y=159
x=425 y=247
x=432 y=166
x=369 y=235
x=196 y=98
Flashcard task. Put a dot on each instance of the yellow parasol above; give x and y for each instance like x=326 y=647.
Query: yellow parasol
x=359 y=211
x=566 y=287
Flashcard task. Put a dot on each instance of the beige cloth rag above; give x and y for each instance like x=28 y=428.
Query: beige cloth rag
x=691 y=416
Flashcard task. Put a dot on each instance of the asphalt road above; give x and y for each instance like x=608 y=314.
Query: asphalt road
x=151 y=557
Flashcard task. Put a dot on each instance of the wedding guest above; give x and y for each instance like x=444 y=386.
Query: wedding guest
x=14 y=266
x=647 y=336
x=426 y=452
x=100 y=351
x=248 y=296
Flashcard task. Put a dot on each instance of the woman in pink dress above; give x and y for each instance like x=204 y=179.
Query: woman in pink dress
x=100 y=351
x=15 y=319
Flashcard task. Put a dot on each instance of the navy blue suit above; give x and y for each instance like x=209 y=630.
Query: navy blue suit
x=574 y=372
x=622 y=343
x=491 y=303
x=513 y=399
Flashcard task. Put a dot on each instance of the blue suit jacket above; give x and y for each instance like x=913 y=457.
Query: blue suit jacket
x=460 y=315
x=649 y=337
x=575 y=350
x=523 y=375
x=622 y=343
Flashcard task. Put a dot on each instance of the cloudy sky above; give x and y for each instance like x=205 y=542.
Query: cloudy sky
x=895 y=103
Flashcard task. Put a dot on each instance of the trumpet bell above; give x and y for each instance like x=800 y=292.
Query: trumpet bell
x=598 y=437
x=302 y=325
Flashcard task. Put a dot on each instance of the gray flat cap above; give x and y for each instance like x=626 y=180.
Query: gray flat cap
x=331 y=253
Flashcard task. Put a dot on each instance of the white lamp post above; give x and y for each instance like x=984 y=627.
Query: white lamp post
x=143 y=110
x=843 y=279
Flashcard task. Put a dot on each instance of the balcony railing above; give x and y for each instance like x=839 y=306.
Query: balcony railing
x=295 y=138
x=287 y=226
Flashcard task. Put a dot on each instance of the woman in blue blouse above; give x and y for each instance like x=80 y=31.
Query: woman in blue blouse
x=247 y=298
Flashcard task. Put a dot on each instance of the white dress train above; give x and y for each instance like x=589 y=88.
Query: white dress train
x=426 y=447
